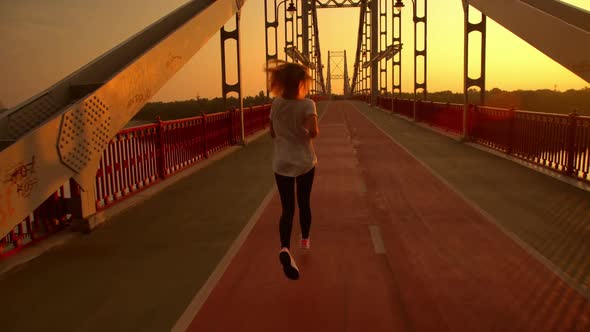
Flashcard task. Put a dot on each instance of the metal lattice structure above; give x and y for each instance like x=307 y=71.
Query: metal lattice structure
x=301 y=38
x=227 y=88
x=396 y=65
x=61 y=133
x=338 y=3
x=338 y=70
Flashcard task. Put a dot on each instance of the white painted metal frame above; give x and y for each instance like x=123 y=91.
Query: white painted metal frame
x=558 y=31
x=116 y=88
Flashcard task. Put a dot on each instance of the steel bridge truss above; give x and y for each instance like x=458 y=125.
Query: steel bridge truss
x=338 y=70
x=301 y=38
x=374 y=47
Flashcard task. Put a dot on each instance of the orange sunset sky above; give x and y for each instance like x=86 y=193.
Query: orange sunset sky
x=43 y=41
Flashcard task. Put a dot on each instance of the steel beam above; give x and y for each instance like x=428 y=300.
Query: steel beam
x=270 y=29
x=293 y=53
x=356 y=76
x=469 y=82
x=346 y=78
x=387 y=54
x=423 y=52
x=236 y=87
x=396 y=67
x=317 y=50
x=338 y=3
x=383 y=25
x=59 y=135
x=374 y=5
x=558 y=30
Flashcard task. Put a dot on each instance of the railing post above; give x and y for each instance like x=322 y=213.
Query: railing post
x=204 y=135
x=570 y=144
x=231 y=126
x=160 y=153
x=510 y=131
x=465 y=123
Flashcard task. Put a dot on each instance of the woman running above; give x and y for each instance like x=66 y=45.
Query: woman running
x=293 y=125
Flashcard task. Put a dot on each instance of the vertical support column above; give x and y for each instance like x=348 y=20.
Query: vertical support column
x=237 y=87
x=303 y=19
x=383 y=25
x=366 y=53
x=420 y=53
x=270 y=28
x=309 y=45
x=374 y=5
x=358 y=62
x=305 y=27
x=317 y=50
x=345 y=78
x=329 y=82
x=467 y=81
x=396 y=67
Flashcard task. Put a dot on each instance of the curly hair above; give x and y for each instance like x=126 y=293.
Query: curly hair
x=286 y=78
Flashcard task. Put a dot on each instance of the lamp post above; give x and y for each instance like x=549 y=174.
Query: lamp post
x=288 y=20
x=290 y=10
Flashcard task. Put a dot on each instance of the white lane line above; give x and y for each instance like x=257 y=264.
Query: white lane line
x=197 y=302
x=377 y=239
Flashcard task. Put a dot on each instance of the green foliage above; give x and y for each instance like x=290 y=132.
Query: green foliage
x=189 y=108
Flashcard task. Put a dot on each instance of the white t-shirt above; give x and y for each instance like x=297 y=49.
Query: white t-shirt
x=294 y=154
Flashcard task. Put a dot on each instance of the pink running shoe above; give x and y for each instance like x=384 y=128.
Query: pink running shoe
x=305 y=243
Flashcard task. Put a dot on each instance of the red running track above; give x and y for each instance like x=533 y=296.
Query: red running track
x=441 y=266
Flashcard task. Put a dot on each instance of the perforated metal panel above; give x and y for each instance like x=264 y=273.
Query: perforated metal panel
x=84 y=133
x=31 y=115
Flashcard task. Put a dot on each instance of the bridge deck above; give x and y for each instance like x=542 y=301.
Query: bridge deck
x=394 y=249
x=393 y=246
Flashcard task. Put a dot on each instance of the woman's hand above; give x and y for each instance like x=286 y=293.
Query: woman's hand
x=311 y=124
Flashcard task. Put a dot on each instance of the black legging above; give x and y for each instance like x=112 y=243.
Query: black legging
x=286 y=186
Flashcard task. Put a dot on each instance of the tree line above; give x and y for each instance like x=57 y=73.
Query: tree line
x=545 y=101
x=194 y=107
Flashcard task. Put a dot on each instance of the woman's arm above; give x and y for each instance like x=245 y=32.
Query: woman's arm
x=311 y=124
x=272 y=130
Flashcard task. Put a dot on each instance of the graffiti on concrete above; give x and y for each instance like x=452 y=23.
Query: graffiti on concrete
x=22 y=175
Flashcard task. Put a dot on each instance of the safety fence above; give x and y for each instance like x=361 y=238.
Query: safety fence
x=135 y=159
x=554 y=141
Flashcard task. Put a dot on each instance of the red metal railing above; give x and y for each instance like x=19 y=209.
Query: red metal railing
x=492 y=127
x=141 y=156
x=555 y=141
x=135 y=159
x=129 y=163
x=48 y=218
x=444 y=116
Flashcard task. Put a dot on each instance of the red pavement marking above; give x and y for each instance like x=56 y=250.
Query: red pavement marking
x=446 y=268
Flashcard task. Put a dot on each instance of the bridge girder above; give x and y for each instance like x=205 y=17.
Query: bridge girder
x=339 y=3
